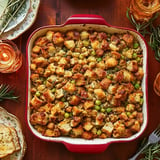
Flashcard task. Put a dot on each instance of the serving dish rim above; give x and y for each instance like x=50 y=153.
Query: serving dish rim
x=105 y=141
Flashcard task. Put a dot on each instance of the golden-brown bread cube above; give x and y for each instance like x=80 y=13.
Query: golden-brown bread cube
x=63 y=61
x=76 y=111
x=128 y=38
x=119 y=130
x=46 y=108
x=49 y=35
x=116 y=55
x=39 y=118
x=36 y=102
x=95 y=44
x=105 y=83
x=77 y=131
x=40 y=61
x=84 y=35
x=100 y=73
x=123 y=116
x=58 y=38
x=111 y=62
x=127 y=76
x=34 y=77
x=135 y=97
x=139 y=74
x=118 y=110
x=132 y=66
x=136 y=126
x=73 y=35
x=48 y=95
x=100 y=94
x=75 y=100
x=75 y=121
x=128 y=53
x=90 y=74
x=59 y=93
x=65 y=127
x=129 y=123
x=88 y=105
x=69 y=44
x=87 y=135
x=36 y=49
x=130 y=107
x=60 y=70
x=51 y=49
x=33 y=66
x=87 y=126
x=113 y=46
x=112 y=88
x=69 y=87
x=41 y=41
x=108 y=128
x=100 y=119
x=101 y=65
x=67 y=74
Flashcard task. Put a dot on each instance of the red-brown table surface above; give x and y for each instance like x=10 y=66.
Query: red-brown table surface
x=56 y=12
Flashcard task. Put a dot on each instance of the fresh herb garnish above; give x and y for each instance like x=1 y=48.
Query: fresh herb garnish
x=155 y=40
x=148 y=28
x=10 y=12
x=7 y=93
x=152 y=152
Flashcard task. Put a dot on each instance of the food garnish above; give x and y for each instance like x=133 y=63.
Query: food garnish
x=7 y=93
x=9 y=13
x=152 y=152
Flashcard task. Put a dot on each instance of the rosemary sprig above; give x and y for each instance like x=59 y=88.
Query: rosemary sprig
x=11 y=10
x=152 y=152
x=155 y=40
x=7 y=93
x=141 y=27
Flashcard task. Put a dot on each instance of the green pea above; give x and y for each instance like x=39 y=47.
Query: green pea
x=134 y=55
x=128 y=113
x=93 y=53
x=38 y=93
x=73 y=81
x=138 y=59
x=98 y=102
x=53 y=90
x=97 y=108
x=102 y=110
x=99 y=59
x=63 y=99
x=109 y=77
x=135 y=45
x=108 y=110
x=81 y=56
x=85 y=43
x=66 y=115
x=99 y=132
x=123 y=57
x=141 y=101
x=136 y=86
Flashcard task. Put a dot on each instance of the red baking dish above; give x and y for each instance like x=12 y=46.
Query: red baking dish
x=84 y=22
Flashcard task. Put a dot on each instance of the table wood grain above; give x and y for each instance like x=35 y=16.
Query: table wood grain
x=56 y=12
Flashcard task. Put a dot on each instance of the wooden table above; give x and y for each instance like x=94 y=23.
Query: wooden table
x=56 y=12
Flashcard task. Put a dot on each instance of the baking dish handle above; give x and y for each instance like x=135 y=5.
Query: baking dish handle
x=87 y=148
x=86 y=19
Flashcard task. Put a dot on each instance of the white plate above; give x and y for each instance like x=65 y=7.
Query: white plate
x=25 y=24
x=20 y=16
x=9 y=119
